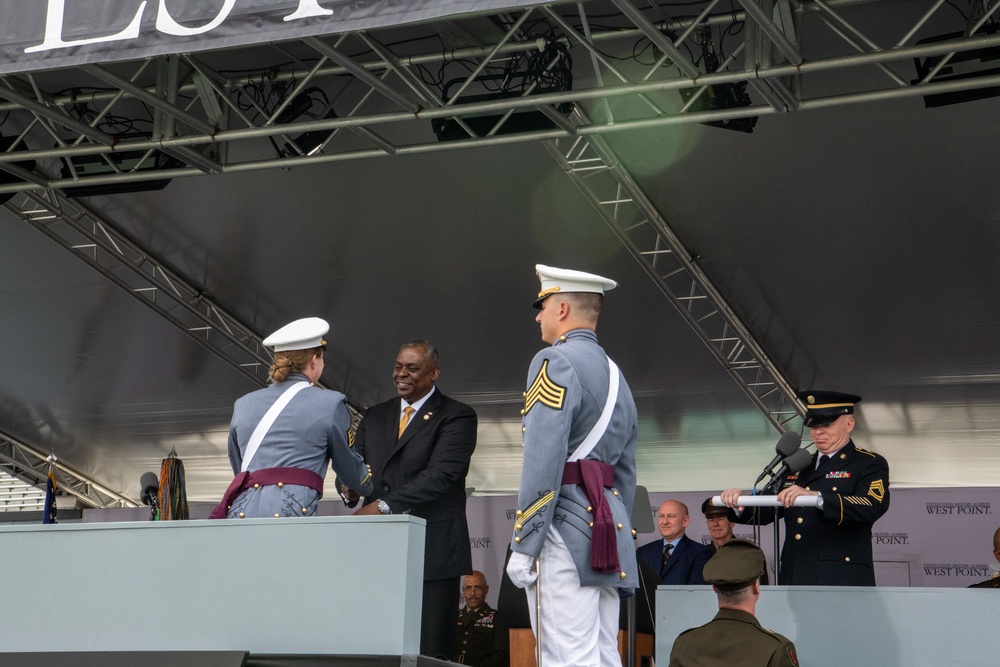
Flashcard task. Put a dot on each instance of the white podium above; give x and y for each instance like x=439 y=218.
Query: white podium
x=316 y=585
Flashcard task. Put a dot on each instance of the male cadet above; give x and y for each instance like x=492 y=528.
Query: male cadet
x=994 y=581
x=830 y=544
x=482 y=639
x=734 y=637
x=679 y=559
x=418 y=446
x=578 y=480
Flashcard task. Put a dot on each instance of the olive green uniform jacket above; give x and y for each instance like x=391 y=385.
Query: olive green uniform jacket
x=732 y=638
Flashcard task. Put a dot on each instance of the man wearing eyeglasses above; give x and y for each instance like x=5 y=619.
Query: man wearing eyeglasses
x=481 y=639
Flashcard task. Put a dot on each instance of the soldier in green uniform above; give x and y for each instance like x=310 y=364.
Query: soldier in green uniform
x=734 y=636
x=481 y=639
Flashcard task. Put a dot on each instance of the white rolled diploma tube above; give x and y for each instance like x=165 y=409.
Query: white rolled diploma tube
x=767 y=501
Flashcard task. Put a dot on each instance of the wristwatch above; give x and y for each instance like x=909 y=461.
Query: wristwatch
x=383 y=507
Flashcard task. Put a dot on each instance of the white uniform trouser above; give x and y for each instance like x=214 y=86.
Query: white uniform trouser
x=579 y=623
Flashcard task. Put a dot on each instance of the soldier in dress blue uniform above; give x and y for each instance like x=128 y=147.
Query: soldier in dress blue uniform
x=578 y=479
x=828 y=545
x=284 y=475
x=734 y=636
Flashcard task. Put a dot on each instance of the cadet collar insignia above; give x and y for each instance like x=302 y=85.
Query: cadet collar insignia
x=877 y=490
x=545 y=391
x=840 y=474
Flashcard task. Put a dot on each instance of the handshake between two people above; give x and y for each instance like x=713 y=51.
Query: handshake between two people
x=351 y=499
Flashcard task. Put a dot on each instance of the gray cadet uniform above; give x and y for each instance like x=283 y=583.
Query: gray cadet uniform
x=310 y=432
x=567 y=389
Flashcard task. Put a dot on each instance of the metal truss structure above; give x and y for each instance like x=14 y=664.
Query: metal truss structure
x=641 y=228
x=32 y=466
x=94 y=240
x=464 y=83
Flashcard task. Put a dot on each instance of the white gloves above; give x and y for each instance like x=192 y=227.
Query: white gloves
x=521 y=569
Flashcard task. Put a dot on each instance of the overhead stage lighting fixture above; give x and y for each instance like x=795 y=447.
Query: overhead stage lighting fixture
x=965 y=65
x=547 y=71
x=118 y=162
x=526 y=120
x=721 y=96
x=303 y=104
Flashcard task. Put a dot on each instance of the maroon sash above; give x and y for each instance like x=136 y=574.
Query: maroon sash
x=595 y=476
x=265 y=477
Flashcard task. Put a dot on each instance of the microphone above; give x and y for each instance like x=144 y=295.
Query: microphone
x=788 y=443
x=795 y=462
x=150 y=485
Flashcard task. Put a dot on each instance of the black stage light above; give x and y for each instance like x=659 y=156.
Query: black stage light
x=303 y=104
x=527 y=120
x=722 y=96
x=7 y=178
x=964 y=65
x=124 y=161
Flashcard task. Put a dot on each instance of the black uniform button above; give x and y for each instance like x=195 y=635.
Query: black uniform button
x=385 y=487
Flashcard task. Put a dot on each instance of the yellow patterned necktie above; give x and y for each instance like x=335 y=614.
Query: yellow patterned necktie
x=404 y=420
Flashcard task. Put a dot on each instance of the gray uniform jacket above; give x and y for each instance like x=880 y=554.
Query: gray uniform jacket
x=309 y=433
x=567 y=389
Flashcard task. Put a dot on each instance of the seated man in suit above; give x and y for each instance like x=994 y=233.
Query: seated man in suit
x=677 y=558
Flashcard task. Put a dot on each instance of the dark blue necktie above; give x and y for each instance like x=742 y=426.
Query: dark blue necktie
x=666 y=556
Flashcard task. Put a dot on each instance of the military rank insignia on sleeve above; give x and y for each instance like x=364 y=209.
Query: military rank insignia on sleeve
x=545 y=391
x=350 y=437
x=877 y=490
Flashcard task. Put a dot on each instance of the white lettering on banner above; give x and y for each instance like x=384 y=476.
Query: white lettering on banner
x=166 y=23
x=306 y=9
x=54 y=27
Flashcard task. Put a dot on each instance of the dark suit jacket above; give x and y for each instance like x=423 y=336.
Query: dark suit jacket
x=687 y=560
x=424 y=473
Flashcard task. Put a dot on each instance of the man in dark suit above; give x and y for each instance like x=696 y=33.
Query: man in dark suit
x=677 y=558
x=829 y=544
x=418 y=447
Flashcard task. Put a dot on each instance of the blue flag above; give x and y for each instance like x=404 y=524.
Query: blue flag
x=49 y=513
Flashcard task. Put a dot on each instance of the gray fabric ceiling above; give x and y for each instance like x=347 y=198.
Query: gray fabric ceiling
x=859 y=243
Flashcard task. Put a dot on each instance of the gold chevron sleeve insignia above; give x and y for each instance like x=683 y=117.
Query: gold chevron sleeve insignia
x=350 y=437
x=544 y=391
x=533 y=509
x=877 y=490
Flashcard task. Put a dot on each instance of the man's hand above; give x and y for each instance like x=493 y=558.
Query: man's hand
x=349 y=494
x=371 y=509
x=788 y=496
x=521 y=569
x=729 y=497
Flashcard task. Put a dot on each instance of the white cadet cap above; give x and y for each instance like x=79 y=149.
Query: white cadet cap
x=304 y=334
x=567 y=280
